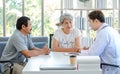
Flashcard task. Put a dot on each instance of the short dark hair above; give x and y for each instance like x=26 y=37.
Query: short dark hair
x=22 y=21
x=97 y=14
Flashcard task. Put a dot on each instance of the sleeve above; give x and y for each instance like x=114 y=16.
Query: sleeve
x=56 y=35
x=19 y=44
x=100 y=43
x=77 y=33
x=31 y=45
x=84 y=52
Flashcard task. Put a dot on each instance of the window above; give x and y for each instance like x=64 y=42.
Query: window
x=51 y=16
x=13 y=10
x=1 y=17
x=52 y=11
x=33 y=11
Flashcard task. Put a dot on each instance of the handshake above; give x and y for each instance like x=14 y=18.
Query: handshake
x=77 y=49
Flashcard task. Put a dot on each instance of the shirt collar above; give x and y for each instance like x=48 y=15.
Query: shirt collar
x=18 y=31
x=103 y=25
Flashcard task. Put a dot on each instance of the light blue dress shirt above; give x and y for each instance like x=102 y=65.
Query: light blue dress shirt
x=107 y=47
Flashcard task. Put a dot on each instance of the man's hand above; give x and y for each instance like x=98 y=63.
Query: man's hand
x=77 y=49
x=85 y=48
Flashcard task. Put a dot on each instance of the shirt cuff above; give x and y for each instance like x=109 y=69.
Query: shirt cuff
x=84 y=53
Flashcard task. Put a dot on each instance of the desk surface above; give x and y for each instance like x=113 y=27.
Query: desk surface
x=33 y=65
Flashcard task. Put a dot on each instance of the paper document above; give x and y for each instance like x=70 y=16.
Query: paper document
x=72 y=54
x=58 y=67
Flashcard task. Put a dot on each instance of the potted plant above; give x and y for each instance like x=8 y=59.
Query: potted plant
x=84 y=2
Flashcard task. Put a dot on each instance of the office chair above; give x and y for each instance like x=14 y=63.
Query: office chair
x=9 y=64
x=4 y=64
x=50 y=40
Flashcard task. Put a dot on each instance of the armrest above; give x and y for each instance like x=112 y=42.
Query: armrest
x=11 y=65
x=1 y=61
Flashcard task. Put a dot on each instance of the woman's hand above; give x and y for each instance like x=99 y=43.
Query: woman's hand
x=46 y=49
x=77 y=49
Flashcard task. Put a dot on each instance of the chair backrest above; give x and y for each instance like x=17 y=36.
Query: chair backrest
x=40 y=41
x=2 y=46
x=50 y=40
x=3 y=42
x=4 y=39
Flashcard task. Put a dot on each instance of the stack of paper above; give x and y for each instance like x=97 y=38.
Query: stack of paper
x=88 y=62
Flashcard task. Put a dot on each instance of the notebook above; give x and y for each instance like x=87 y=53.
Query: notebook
x=58 y=67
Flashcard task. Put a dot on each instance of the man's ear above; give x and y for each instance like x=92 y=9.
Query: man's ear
x=96 y=20
x=23 y=26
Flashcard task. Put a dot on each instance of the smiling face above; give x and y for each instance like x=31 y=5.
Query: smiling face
x=27 y=30
x=67 y=24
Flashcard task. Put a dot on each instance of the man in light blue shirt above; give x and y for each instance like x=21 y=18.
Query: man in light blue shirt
x=106 y=44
